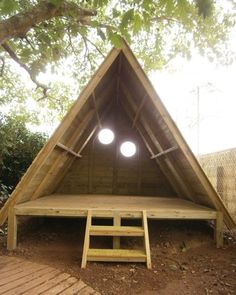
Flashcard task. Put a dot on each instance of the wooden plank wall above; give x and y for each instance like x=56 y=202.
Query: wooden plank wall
x=103 y=170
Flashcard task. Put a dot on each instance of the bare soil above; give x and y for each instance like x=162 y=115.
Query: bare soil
x=184 y=257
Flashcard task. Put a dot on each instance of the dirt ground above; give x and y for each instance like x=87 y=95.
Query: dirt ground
x=184 y=257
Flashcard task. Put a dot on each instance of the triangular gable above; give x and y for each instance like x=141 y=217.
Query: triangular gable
x=120 y=77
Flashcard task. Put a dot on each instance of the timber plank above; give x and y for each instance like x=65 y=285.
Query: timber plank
x=76 y=288
x=12 y=266
x=146 y=240
x=121 y=255
x=49 y=273
x=24 y=270
x=105 y=205
x=129 y=231
x=11 y=229
x=61 y=287
x=48 y=284
x=32 y=279
x=86 y=239
x=21 y=281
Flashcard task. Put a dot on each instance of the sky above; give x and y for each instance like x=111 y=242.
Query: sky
x=201 y=99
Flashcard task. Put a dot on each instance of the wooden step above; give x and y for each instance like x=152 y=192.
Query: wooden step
x=124 y=231
x=116 y=255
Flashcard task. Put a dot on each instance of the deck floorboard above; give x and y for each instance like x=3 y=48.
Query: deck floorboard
x=129 y=206
x=34 y=278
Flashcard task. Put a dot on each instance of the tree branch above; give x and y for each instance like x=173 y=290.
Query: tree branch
x=19 y=24
x=2 y=66
x=12 y=54
x=87 y=53
x=94 y=45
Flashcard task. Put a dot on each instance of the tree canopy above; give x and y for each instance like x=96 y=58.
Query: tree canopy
x=71 y=37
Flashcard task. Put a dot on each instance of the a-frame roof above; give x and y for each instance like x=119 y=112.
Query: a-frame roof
x=120 y=78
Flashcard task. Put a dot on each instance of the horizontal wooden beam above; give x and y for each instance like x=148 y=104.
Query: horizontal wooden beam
x=164 y=152
x=152 y=214
x=62 y=146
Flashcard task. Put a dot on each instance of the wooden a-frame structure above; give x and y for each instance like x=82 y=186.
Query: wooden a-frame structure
x=72 y=166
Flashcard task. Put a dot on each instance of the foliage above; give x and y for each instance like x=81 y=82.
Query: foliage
x=156 y=30
x=18 y=147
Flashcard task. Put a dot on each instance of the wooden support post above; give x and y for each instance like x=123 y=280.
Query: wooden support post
x=12 y=229
x=116 y=222
x=219 y=226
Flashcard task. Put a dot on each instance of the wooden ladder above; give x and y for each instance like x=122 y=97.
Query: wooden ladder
x=116 y=231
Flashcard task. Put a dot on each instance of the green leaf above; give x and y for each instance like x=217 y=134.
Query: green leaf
x=8 y=6
x=146 y=4
x=55 y=2
x=137 y=23
x=170 y=6
x=182 y=6
x=25 y=54
x=115 y=12
x=115 y=39
x=83 y=31
x=127 y=17
x=101 y=34
x=94 y=23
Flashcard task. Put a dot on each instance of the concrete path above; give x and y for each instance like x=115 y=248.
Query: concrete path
x=18 y=276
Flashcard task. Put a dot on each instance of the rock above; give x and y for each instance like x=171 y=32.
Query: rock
x=173 y=266
x=132 y=270
x=1 y=232
x=183 y=267
x=104 y=279
x=167 y=244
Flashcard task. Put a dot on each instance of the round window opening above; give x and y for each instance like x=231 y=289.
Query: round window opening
x=106 y=136
x=128 y=149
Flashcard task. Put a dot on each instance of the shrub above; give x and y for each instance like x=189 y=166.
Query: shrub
x=18 y=148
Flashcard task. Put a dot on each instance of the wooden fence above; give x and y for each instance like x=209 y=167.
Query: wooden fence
x=220 y=167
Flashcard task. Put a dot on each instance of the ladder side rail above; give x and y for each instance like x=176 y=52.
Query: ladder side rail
x=86 y=239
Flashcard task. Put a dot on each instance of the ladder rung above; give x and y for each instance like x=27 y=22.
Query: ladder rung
x=115 y=255
x=124 y=231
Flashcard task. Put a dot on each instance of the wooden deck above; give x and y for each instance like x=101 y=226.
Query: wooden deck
x=18 y=276
x=104 y=205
